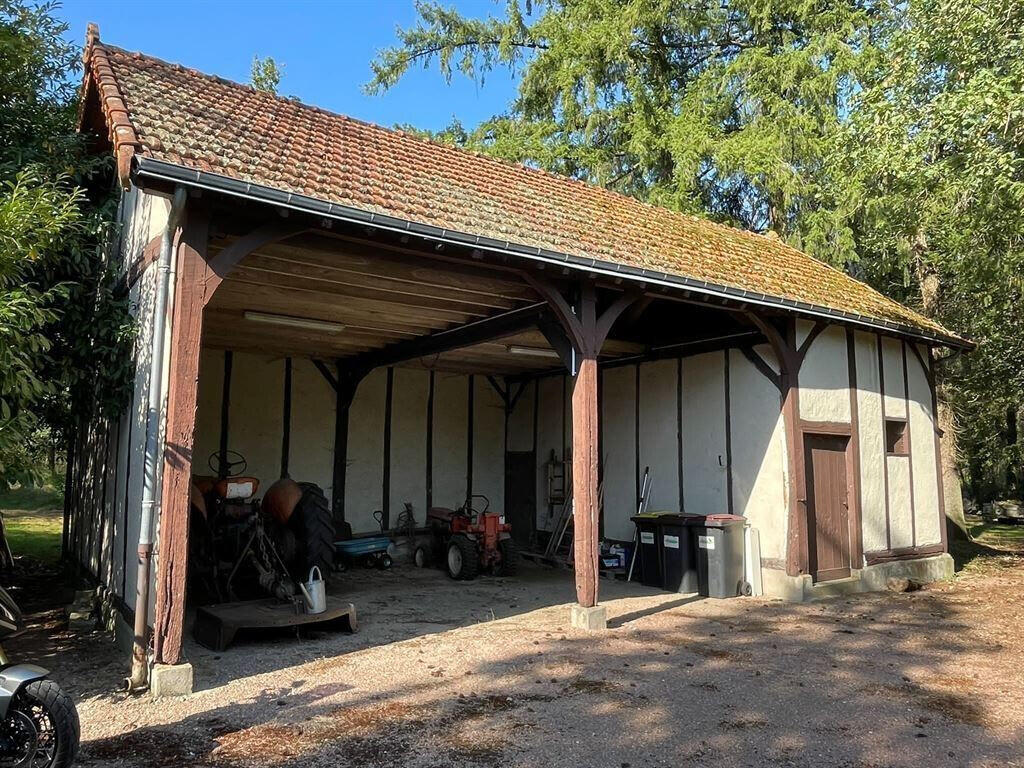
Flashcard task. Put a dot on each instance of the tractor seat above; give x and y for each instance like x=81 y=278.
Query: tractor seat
x=236 y=487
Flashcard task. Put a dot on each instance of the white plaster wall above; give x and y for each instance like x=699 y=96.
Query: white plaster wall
x=451 y=424
x=364 y=475
x=549 y=438
x=900 y=516
x=488 y=444
x=704 y=454
x=520 y=421
x=892 y=365
x=311 y=448
x=758 y=454
x=872 y=443
x=619 y=449
x=927 y=520
x=142 y=308
x=409 y=442
x=824 y=378
x=255 y=415
x=143 y=217
x=659 y=434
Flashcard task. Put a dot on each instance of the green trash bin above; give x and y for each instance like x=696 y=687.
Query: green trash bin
x=719 y=540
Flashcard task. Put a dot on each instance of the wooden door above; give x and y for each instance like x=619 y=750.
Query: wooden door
x=828 y=508
x=521 y=495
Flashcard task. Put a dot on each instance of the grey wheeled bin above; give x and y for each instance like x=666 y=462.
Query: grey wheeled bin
x=719 y=540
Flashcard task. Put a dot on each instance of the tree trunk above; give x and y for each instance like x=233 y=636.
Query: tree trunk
x=930 y=285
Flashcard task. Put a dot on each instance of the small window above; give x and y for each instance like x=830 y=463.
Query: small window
x=896 y=437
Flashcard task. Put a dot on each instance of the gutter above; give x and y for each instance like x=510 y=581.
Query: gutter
x=140 y=647
x=147 y=167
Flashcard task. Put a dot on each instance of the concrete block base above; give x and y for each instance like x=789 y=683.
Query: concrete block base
x=589 y=619
x=872 y=578
x=170 y=680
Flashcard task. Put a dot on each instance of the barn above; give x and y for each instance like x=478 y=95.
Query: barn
x=404 y=323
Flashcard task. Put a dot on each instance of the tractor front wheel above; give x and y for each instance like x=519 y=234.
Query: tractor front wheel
x=463 y=560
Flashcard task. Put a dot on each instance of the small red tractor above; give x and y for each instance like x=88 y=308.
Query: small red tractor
x=469 y=541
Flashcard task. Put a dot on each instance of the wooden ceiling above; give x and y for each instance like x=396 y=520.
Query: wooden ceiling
x=380 y=295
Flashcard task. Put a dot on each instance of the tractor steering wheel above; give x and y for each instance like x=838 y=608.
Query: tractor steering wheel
x=469 y=504
x=233 y=461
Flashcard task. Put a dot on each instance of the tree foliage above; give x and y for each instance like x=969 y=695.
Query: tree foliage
x=882 y=137
x=264 y=74
x=63 y=332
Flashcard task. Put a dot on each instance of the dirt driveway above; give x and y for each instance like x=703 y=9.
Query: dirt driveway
x=487 y=674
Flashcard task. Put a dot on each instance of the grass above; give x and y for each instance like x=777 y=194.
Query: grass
x=993 y=546
x=34 y=520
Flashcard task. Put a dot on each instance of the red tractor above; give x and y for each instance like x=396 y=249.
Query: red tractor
x=468 y=541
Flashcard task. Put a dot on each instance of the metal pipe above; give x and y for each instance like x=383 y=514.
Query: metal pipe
x=140 y=668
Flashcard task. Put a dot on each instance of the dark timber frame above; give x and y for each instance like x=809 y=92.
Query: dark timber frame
x=572 y=310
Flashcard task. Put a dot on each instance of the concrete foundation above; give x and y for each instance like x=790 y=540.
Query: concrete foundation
x=589 y=619
x=170 y=680
x=872 y=578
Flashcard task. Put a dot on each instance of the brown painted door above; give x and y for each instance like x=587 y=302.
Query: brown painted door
x=828 y=509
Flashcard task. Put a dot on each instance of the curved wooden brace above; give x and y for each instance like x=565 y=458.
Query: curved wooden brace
x=265 y=234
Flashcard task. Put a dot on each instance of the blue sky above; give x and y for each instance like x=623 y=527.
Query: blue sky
x=325 y=47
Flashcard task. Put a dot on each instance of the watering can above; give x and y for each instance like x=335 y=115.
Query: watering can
x=313 y=591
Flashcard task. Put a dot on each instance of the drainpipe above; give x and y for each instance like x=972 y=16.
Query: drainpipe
x=140 y=671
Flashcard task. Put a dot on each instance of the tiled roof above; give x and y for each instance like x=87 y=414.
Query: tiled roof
x=181 y=116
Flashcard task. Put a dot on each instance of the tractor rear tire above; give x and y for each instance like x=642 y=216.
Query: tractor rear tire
x=463 y=561
x=509 y=565
x=313 y=525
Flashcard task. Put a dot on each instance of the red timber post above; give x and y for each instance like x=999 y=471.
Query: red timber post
x=586 y=331
x=191 y=293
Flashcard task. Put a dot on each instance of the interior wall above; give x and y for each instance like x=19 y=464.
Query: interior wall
x=256 y=427
x=705 y=457
x=618 y=450
x=550 y=442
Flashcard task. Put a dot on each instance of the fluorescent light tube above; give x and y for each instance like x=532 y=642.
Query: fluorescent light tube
x=307 y=323
x=535 y=351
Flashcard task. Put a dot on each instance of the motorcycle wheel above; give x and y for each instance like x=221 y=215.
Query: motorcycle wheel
x=41 y=729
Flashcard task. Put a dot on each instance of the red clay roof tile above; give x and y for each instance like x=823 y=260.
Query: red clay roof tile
x=184 y=117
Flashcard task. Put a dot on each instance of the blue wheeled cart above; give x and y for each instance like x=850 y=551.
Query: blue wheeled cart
x=371 y=551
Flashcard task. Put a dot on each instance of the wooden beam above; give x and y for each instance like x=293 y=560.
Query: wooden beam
x=587 y=330
x=586 y=507
x=348 y=378
x=191 y=293
x=226 y=260
x=452 y=338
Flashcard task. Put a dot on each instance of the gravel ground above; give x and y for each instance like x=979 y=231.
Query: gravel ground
x=488 y=674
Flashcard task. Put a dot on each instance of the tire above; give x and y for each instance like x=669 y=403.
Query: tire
x=421 y=558
x=463 y=561
x=42 y=708
x=313 y=525
x=509 y=565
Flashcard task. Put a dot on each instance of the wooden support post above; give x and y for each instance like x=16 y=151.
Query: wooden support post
x=585 y=481
x=586 y=330
x=346 y=382
x=190 y=296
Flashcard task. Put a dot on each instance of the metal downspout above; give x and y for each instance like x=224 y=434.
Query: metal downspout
x=140 y=646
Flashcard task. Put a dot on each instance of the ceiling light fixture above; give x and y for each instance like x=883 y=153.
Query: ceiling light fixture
x=306 y=323
x=535 y=351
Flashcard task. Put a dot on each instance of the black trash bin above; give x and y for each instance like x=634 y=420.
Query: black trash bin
x=678 y=558
x=649 y=550
x=719 y=549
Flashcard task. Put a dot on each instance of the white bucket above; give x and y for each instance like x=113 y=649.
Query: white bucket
x=313 y=591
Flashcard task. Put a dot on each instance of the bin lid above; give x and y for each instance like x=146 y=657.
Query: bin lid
x=717 y=520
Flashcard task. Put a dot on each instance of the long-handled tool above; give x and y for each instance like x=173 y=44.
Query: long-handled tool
x=645 y=494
